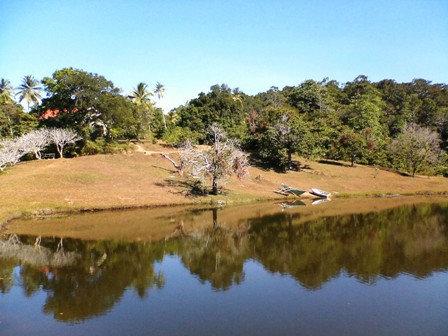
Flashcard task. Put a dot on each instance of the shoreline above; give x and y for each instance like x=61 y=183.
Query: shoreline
x=156 y=223
x=206 y=203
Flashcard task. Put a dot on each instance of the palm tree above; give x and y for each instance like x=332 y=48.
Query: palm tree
x=159 y=91
x=141 y=95
x=142 y=98
x=5 y=86
x=29 y=91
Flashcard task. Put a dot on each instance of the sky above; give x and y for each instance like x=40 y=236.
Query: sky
x=190 y=45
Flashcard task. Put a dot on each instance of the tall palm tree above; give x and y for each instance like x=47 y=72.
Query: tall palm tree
x=142 y=98
x=141 y=95
x=5 y=86
x=159 y=91
x=29 y=91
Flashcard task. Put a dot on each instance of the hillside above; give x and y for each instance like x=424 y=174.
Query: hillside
x=144 y=178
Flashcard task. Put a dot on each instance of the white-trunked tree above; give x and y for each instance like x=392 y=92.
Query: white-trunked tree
x=62 y=137
x=220 y=161
x=10 y=153
x=35 y=142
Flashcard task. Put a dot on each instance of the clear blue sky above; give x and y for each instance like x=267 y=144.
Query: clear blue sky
x=190 y=45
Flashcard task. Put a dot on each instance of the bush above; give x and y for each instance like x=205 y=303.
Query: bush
x=93 y=147
x=100 y=146
x=444 y=171
x=178 y=135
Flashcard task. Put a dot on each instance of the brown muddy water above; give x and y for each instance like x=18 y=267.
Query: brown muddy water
x=348 y=267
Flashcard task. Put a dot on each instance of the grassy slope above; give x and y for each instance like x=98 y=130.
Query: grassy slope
x=136 y=179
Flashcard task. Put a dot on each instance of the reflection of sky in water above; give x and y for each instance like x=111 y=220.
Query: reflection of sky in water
x=367 y=275
x=263 y=304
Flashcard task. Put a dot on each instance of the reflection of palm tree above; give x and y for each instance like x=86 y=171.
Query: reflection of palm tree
x=29 y=91
x=159 y=91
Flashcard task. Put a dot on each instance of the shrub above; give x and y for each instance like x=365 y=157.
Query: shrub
x=178 y=135
x=100 y=146
x=93 y=147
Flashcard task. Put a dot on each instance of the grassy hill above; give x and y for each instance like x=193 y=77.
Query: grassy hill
x=143 y=178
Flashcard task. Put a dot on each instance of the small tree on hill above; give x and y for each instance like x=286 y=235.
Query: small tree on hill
x=350 y=146
x=62 y=137
x=222 y=160
x=416 y=148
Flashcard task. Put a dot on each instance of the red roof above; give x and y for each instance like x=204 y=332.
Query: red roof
x=53 y=113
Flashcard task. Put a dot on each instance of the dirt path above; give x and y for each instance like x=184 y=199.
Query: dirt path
x=139 y=149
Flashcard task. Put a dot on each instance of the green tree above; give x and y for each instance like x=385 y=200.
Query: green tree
x=220 y=105
x=13 y=120
x=349 y=146
x=90 y=104
x=279 y=135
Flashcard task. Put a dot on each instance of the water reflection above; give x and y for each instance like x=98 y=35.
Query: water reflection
x=83 y=279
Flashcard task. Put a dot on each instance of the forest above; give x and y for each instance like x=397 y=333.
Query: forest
x=399 y=126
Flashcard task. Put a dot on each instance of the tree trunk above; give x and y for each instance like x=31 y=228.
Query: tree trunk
x=214 y=186
x=60 y=151
x=215 y=218
x=164 y=121
x=352 y=161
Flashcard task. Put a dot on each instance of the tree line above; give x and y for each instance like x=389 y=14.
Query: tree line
x=402 y=126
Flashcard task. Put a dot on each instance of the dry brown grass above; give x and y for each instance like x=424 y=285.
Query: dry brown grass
x=137 y=180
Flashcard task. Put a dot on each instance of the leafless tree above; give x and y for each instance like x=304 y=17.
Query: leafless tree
x=416 y=148
x=223 y=159
x=34 y=142
x=10 y=153
x=62 y=137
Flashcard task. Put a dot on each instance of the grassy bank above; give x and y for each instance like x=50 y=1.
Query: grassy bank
x=144 y=179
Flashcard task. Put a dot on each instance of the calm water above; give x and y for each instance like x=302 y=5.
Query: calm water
x=381 y=273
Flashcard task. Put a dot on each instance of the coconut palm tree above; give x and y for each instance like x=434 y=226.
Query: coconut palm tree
x=5 y=86
x=29 y=91
x=159 y=91
x=141 y=96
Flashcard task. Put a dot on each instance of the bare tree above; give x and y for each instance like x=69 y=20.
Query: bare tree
x=62 y=137
x=34 y=142
x=10 y=153
x=223 y=159
x=416 y=148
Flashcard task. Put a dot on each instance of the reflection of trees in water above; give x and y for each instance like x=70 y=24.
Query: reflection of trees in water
x=6 y=275
x=410 y=239
x=91 y=286
x=215 y=255
x=36 y=255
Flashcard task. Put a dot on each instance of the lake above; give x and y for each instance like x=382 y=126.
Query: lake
x=348 y=267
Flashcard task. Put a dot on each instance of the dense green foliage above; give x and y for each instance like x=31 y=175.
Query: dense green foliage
x=357 y=121
x=13 y=120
